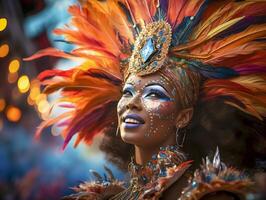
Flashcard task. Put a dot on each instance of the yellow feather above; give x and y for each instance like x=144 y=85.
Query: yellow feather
x=223 y=27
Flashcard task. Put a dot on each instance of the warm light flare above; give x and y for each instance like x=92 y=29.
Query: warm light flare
x=34 y=93
x=2 y=104
x=30 y=101
x=40 y=97
x=23 y=84
x=4 y=49
x=12 y=77
x=3 y=24
x=13 y=113
x=43 y=106
x=14 y=66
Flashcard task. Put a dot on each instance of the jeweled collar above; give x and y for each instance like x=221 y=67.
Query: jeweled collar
x=159 y=173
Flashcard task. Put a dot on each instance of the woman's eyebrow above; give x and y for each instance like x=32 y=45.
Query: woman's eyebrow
x=129 y=86
x=156 y=84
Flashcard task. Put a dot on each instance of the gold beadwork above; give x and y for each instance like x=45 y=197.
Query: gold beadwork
x=151 y=48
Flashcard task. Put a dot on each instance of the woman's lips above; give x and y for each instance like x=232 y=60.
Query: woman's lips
x=132 y=121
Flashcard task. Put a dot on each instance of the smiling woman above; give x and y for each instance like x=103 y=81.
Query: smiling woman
x=167 y=57
x=150 y=113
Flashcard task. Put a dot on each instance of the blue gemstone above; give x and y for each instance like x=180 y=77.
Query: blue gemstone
x=147 y=50
x=172 y=147
x=208 y=178
x=163 y=173
x=161 y=32
x=163 y=39
x=154 y=64
x=194 y=184
x=162 y=155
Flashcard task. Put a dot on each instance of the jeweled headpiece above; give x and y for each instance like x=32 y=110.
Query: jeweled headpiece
x=222 y=41
x=151 y=48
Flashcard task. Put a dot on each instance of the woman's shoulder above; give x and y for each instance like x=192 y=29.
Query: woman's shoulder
x=214 y=180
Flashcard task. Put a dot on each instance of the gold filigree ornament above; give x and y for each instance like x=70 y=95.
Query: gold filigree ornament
x=150 y=49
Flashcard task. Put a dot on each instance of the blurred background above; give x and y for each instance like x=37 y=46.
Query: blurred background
x=31 y=169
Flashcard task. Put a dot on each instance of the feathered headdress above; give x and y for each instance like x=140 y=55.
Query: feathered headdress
x=224 y=41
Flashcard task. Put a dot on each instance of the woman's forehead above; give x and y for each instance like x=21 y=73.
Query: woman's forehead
x=140 y=82
x=134 y=79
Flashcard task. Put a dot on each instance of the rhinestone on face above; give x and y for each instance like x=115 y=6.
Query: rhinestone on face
x=147 y=50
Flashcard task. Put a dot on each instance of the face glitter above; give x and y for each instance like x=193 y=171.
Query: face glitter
x=151 y=98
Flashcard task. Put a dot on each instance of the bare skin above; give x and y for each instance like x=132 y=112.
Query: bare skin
x=149 y=114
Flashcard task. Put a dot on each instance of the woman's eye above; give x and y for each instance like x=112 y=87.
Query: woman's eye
x=157 y=95
x=153 y=95
x=127 y=93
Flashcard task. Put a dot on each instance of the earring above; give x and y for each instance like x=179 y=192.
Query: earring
x=117 y=129
x=176 y=137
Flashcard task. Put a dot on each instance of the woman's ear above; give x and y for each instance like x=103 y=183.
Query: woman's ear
x=184 y=117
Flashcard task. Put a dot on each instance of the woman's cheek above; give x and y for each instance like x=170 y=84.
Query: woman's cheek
x=121 y=106
x=162 y=109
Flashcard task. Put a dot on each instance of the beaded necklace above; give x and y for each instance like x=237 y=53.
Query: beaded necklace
x=150 y=180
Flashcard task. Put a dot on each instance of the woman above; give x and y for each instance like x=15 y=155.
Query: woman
x=165 y=56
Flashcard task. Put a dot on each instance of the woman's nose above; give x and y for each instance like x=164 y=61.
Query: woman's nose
x=135 y=103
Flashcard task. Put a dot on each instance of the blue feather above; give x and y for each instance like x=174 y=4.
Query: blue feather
x=164 y=5
x=185 y=28
x=209 y=71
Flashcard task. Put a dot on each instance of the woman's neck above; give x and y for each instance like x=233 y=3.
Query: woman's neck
x=144 y=154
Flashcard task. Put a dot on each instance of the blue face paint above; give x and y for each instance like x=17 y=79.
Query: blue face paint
x=156 y=92
x=128 y=91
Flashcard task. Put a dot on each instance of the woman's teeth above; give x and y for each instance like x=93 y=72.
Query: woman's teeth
x=132 y=121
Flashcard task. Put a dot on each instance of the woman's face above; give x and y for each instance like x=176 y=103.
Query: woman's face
x=148 y=110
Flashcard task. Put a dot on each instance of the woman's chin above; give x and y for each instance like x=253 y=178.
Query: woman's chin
x=131 y=136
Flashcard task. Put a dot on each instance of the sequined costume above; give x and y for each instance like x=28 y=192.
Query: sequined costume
x=215 y=48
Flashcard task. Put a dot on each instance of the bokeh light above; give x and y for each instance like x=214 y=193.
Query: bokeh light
x=40 y=98
x=30 y=101
x=35 y=90
x=13 y=113
x=3 y=24
x=12 y=77
x=4 y=49
x=43 y=106
x=2 y=104
x=14 y=66
x=23 y=84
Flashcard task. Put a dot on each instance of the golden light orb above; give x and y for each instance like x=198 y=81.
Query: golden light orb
x=3 y=24
x=23 y=83
x=13 y=113
x=43 y=106
x=4 y=49
x=14 y=66
x=34 y=92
